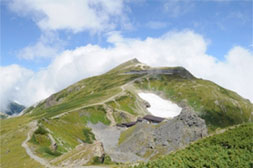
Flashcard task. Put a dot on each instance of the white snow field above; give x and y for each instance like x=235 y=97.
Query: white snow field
x=160 y=107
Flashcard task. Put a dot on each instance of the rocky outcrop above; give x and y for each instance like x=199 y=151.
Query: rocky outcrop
x=51 y=101
x=180 y=131
x=179 y=71
x=109 y=137
x=146 y=140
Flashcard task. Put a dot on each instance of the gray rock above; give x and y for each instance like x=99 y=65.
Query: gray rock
x=146 y=140
x=181 y=130
x=109 y=137
x=149 y=139
x=180 y=71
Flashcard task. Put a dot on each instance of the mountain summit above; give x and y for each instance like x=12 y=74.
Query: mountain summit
x=132 y=113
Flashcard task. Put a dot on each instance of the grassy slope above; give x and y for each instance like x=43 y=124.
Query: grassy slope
x=95 y=89
x=233 y=148
x=13 y=132
x=70 y=129
x=218 y=106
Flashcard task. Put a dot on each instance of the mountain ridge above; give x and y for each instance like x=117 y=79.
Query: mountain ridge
x=64 y=120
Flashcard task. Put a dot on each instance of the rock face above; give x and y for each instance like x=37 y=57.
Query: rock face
x=180 y=71
x=181 y=130
x=146 y=140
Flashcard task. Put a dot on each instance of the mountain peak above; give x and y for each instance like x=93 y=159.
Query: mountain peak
x=133 y=64
x=68 y=123
x=134 y=60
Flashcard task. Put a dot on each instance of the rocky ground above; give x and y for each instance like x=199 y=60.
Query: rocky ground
x=146 y=140
x=109 y=136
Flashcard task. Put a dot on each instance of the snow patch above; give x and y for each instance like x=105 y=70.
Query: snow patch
x=160 y=107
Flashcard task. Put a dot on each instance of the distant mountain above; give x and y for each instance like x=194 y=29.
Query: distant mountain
x=14 y=108
x=3 y=115
x=83 y=124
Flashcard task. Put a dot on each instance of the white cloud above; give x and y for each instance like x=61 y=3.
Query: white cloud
x=48 y=46
x=93 y=16
x=236 y=72
x=184 y=48
x=75 y=15
x=12 y=79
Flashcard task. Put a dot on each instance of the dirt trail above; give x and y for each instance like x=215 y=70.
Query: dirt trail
x=109 y=115
x=33 y=126
x=122 y=92
x=90 y=105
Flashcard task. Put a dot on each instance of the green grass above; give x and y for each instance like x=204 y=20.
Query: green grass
x=125 y=134
x=89 y=136
x=13 y=132
x=71 y=129
x=42 y=144
x=106 y=160
x=218 y=106
x=40 y=130
x=40 y=139
x=125 y=103
x=48 y=152
x=68 y=131
x=94 y=115
x=88 y=91
x=233 y=148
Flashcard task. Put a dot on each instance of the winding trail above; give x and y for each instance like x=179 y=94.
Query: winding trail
x=90 y=105
x=33 y=126
x=121 y=93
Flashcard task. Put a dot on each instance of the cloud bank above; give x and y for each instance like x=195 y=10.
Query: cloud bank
x=184 y=48
x=76 y=16
x=49 y=45
x=72 y=16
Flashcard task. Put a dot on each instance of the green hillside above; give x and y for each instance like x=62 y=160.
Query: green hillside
x=58 y=126
x=218 y=106
x=233 y=148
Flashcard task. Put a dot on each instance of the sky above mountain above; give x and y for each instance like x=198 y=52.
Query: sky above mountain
x=47 y=45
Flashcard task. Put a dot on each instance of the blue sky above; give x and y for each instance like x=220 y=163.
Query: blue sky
x=224 y=23
x=47 y=45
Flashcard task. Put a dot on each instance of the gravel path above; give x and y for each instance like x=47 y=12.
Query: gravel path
x=33 y=126
x=90 y=105
x=109 y=136
x=123 y=88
